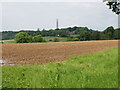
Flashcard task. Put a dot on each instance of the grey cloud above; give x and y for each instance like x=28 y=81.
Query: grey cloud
x=29 y=15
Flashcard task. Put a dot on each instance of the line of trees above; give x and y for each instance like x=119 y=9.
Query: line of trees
x=72 y=33
x=109 y=34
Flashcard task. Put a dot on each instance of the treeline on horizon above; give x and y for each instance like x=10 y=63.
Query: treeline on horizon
x=72 y=33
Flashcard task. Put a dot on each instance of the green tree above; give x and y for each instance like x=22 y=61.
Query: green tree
x=102 y=36
x=117 y=33
x=95 y=35
x=37 y=38
x=85 y=35
x=109 y=33
x=23 y=37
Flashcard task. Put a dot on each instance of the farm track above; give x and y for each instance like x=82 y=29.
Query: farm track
x=40 y=53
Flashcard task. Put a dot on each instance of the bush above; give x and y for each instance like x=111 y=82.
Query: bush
x=50 y=40
x=75 y=39
x=44 y=40
x=37 y=38
x=56 y=40
x=23 y=37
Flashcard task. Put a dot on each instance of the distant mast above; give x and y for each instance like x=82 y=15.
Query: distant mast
x=57 y=24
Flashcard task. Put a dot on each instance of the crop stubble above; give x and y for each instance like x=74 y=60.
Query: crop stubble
x=40 y=53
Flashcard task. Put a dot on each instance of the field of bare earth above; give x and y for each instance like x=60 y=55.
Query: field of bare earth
x=40 y=53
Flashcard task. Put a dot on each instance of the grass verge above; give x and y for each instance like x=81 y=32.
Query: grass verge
x=98 y=70
x=10 y=41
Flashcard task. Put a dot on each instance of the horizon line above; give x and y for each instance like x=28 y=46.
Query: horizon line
x=17 y=30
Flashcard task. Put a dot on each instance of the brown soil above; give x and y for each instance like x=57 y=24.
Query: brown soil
x=39 y=53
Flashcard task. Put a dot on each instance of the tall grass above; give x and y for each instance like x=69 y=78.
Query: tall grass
x=98 y=70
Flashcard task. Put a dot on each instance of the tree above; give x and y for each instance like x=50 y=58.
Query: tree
x=95 y=35
x=117 y=33
x=23 y=37
x=109 y=33
x=114 y=5
x=85 y=35
x=102 y=36
x=37 y=38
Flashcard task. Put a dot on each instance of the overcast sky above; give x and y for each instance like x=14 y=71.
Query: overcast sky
x=43 y=15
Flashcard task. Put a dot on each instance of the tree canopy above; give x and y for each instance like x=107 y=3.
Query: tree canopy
x=23 y=37
x=72 y=33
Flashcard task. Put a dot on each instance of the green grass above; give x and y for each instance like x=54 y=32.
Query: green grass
x=74 y=35
x=51 y=39
x=98 y=70
x=11 y=41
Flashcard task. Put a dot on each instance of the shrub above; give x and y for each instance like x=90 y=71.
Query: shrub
x=56 y=40
x=37 y=38
x=23 y=37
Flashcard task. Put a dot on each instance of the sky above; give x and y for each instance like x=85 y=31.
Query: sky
x=32 y=15
x=51 y=0
x=0 y=16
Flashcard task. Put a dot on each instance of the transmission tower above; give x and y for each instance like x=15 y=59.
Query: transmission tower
x=57 y=24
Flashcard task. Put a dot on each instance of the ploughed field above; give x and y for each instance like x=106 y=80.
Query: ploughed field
x=40 y=53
